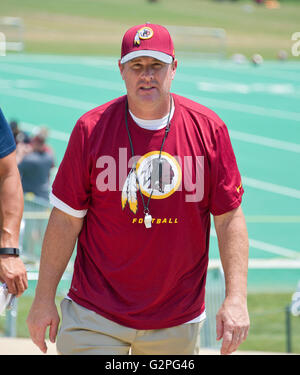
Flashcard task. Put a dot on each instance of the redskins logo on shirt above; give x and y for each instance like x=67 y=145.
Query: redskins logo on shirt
x=158 y=178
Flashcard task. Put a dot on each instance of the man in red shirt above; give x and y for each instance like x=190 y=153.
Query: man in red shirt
x=136 y=187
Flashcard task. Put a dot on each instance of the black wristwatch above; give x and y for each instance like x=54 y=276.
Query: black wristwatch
x=9 y=251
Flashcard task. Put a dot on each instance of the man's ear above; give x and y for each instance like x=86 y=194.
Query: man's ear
x=174 y=67
x=121 y=68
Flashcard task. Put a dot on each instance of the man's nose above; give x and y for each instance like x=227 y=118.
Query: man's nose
x=148 y=73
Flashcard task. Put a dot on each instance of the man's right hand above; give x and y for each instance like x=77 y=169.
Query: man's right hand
x=41 y=316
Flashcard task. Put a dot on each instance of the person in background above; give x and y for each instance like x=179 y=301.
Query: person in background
x=22 y=140
x=35 y=168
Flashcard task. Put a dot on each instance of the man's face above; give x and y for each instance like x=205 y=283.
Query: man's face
x=148 y=80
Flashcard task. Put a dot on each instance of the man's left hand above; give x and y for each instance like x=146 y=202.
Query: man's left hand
x=232 y=323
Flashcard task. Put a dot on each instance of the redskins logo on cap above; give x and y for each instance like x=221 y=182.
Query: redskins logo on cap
x=143 y=33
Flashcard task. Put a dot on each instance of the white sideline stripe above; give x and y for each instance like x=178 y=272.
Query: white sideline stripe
x=273 y=188
x=275 y=73
x=265 y=141
x=256 y=263
x=74 y=79
x=62 y=60
x=274 y=249
x=34 y=275
x=238 y=86
x=260 y=245
x=50 y=99
x=274 y=263
x=245 y=108
x=282 y=219
x=61 y=77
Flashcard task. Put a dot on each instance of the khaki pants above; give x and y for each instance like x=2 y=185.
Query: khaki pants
x=84 y=332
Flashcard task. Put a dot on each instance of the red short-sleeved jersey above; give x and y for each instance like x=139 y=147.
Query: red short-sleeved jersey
x=138 y=277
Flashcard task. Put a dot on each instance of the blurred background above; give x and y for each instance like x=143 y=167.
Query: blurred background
x=241 y=58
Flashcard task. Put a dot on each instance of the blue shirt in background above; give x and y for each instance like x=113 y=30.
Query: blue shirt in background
x=7 y=141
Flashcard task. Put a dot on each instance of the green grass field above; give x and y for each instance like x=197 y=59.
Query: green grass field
x=93 y=27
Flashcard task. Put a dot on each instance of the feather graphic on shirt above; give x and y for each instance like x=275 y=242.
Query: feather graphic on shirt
x=146 y=174
x=129 y=192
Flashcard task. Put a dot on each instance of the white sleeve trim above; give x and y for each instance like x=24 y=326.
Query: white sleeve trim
x=65 y=208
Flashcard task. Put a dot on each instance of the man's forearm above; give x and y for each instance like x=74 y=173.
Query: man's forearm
x=232 y=320
x=11 y=209
x=12 y=269
x=59 y=242
x=234 y=248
